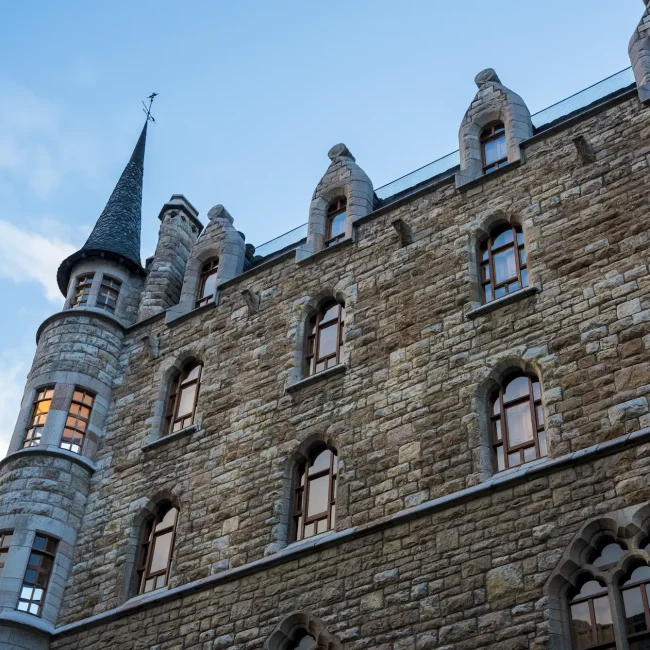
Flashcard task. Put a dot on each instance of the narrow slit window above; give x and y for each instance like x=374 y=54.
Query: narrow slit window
x=109 y=292
x=82 y=290
x=38 y=416
x=76 y=424
x=315 y=494
x=37 y=574
x=336 y=215
x=5 y=543
x=493 y=147
x=325 y=340
x=157 y=549
x=207 y=283
x=517 y=422
x=504 y=267
x=183 y=396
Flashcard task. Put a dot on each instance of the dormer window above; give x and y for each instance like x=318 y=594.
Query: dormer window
x=109 y=292
x=82 y=290
x=207 y=283
x=493 y=147
x=336 y=215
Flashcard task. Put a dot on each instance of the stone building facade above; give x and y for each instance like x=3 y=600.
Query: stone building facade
x=386 y=343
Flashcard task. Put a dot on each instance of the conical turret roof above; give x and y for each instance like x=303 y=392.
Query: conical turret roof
x=116 y=234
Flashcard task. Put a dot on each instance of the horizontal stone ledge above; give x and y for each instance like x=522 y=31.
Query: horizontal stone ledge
x=57 y=452
x=515 y=296
x=294 y=551
x=89 y=313
x=26 y=621
x=177 y=435
x=338 y=369
x=348 y=241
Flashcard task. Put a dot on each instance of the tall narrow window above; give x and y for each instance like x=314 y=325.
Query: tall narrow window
x=636 y=595
x=109 y=292
x=181 y=405
x=336 y=213
x=493 y=147
x=37 y=575
x=518 y=434
x=5 y=543
x=325 y=340
x=38 y=416
x=315 y=496
x=591 y=617
x=207 y=283
x=82 y=290
x=76 y=423
x=157 y=548
x=503 y=263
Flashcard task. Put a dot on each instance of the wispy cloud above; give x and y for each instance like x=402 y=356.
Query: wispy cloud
x=12 y=379
x=31 y=257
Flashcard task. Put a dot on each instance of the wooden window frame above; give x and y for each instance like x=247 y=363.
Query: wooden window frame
x=49 y=551
x=178 y=384
x=313 y=339
x=639 y=584
x=487 y=270
x=498 y=395
x=592 y=614
x=33 y=431
x=491 y=133
x=79 y=427
x=301 y=494
x=148 y=546
x=6 y=539
x=337 y=206
x=83 y=284
x=208 y=269
x=110 y=287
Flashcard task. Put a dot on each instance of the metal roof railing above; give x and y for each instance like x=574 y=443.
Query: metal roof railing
x=591 y=95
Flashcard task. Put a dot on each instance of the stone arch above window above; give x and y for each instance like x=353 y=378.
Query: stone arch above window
x=493 y=105
x=639 y=51
x=301 y=631
x=343 y=180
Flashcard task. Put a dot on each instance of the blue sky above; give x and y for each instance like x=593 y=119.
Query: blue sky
x=252 y=96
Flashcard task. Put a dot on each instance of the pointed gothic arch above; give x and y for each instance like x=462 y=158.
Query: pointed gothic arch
x=294 y=630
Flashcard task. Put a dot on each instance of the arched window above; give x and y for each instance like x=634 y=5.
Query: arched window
x=157 y=549
x=591 y=617
x=82 y=290
x=325 y=339
x=493 y=147
x=207 y=282
x=503 y=263
x=181 y=404
x=315 y=495
x=336 y=213
x=517 y=420
x=636 y=595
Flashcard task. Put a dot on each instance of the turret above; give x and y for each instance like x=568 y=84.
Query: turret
x=639 y=52
x=45 y=478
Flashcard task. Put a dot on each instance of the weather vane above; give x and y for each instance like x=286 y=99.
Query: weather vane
x=147 y=109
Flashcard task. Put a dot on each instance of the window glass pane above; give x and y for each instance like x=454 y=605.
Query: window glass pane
x=321 y=463
x=328 y=340
x=541 y=437
x=309 y=530
x=193 y=374
x=540 y=416
x=537 y=390
x=160 y=555
x=520 y=238
x=148 y=585
x=318 y=495
x=589 y=588
x=338 y=225
x=333 y=515
x=497 y=429
x=640 y=573
x=520 y=425
x=604 y=623
x=514 y=459
x=488 y=292
x=516 y=389
x=495 y=150
x=331 y=313
x=168 y=520
x=609 y=555
x=581 y=626
x=209 y=285
x=634 y=614
x=524 y=277
x=522 y=257
x=500 y=292
x=506 y=237
x=39 y=543
x=505 y=266
x=186 y=403
x=530 y=453
x=513 y=286
x=486 y=271
x=501 y=463
x=642 y=644
x=486 y=255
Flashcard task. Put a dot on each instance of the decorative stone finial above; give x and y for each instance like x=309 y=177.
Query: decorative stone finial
x=339 y=150
x=219 y=212
x=488 y=75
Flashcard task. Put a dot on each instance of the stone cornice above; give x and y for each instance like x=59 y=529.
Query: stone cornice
x=501 y=481
x=83 y=313
x=82 y=461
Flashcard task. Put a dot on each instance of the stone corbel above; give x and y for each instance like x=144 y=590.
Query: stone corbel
x=252 y=300
x=403 y=231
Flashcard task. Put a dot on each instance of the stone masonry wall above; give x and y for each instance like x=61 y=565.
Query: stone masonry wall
x=405 y=416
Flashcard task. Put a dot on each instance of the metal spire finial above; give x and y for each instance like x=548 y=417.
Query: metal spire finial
x=147 y=109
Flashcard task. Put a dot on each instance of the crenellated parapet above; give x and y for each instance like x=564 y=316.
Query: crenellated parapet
x=639 y=51
x=495 y=110
x=344 y=195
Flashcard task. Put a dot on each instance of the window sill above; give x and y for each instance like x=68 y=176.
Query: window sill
x=520 y=294
x=338 y=369
x=181 y=433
